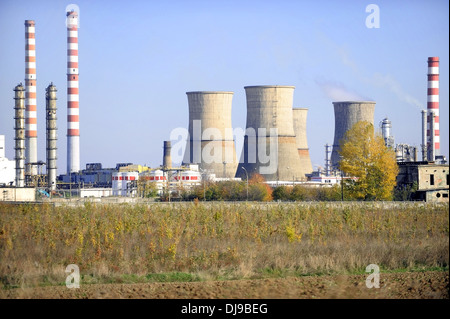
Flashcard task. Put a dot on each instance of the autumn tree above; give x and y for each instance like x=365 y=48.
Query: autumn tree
x=374 y=166
x=258 y=189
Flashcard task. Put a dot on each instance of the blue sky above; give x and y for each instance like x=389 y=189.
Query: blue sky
x=137 y=60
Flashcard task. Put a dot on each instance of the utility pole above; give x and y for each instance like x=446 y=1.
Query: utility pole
x=246 y=173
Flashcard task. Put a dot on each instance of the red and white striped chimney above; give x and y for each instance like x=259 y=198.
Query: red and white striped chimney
x=73 y=121
x=30 y=97
x=433 y=105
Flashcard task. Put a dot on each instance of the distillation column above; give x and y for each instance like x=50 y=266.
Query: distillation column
x=19 y=117
x=50 y=96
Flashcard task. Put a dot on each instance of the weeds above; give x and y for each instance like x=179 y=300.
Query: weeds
x=198 y=240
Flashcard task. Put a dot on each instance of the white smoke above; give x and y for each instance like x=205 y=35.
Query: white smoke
x=336 y=91
x=395 y=87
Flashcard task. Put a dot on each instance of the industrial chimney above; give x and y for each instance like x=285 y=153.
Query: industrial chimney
x=73 y=120
x=424 y=136
x=19 y=117
x=347 y=114
x=433 y=105
x=300 y=115
x=270 y=107
x=50 y=97
x=30 y=101
x=432 y=150
x=167 y=158
x=211 y=142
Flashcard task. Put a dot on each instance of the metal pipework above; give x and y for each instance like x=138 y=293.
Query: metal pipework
x=424 y=135
x=432 y=153
x=19 y=117
x=347 y=114
x=50 y=97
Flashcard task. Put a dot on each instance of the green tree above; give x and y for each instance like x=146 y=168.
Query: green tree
x=280 y=193
x=365 y=157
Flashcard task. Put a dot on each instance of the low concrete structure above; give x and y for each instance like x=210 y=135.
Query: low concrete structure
x=13 y=194
x=431 y=179
x=95 y=192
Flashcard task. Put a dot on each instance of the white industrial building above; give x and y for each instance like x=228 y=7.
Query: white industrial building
x=7 y=167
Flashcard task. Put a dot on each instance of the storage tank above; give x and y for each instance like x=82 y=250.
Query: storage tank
x=117 y=183
x=129 y=180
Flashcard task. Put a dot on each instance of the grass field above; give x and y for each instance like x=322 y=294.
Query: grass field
x=217 y=240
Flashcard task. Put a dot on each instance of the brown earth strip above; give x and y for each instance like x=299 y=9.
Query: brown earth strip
x=412 y=285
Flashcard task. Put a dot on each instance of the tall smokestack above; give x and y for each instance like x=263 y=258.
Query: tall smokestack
x=167 y=158
x=347 y=114
x=19 y=117
x=299 y=118
x=30 y=101
x=211 y=142
x=270 y=107
x=73 y=120
x=424 y=135
x=51 y=136
x=433 y=103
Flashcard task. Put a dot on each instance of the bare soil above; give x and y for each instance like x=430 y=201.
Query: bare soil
x=412 y=285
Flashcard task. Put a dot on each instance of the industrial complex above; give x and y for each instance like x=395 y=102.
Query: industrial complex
x=275 y=141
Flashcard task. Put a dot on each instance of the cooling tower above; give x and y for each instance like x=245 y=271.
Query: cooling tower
x=347 y=114
x=73 y=112
x=433 y=105
x=270 y=107
x=19 y=117
x=300 y=116
x=50 y=97
x=30 y=101
x=210 y=142
x=167 y=159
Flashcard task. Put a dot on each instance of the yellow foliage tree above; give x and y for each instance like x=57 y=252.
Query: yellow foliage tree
x=365 y=156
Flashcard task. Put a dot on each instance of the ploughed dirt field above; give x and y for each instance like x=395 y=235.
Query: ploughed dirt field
x=416 y=285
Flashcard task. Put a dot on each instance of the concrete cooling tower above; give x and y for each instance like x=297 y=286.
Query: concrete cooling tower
x=270 y=107
x=210 y=143
x=300 y=115
x=347 y=114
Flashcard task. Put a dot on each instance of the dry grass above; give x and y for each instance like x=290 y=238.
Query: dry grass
x=217 y=240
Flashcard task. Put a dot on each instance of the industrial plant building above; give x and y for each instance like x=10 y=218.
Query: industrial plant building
x=431 y=180
x=275 y=141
